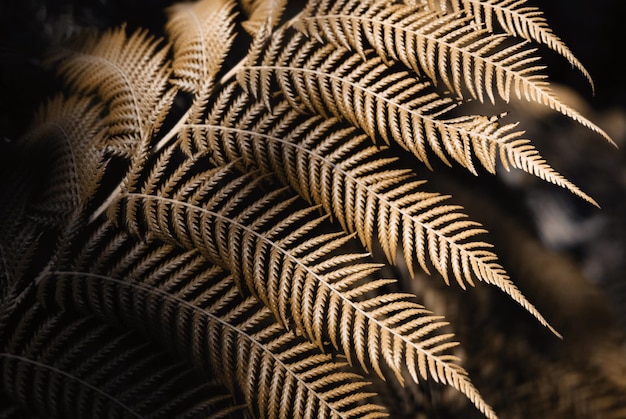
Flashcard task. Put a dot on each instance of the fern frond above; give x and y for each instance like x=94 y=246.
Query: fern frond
x=261 y=13
x=202 y=34
x=517 y=18
x=193 y=308
x=67 y=366
x=130 y=74
x=520 y=153
x=391 y=104
x=22 y=257
x=450 y=48
x=265 y=244
x=369 y=192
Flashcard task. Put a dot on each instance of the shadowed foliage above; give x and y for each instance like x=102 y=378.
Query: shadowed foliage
x=235 y=221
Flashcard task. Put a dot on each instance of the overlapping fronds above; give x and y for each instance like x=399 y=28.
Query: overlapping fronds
x=276 y=249
x=391 y=104
x=364 y=187
x=202 y=34
x=518 y=18
x=130 y=75
x=233 y=198
x=192 y=307
x=70 y=133
x=451 y=48
x=262 y=13
x=77 y=367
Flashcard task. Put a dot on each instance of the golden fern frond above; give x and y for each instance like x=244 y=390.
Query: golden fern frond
x=192 y=307
x=261 y=13
x=274 y=248
x=202 y=34
x=62 y=366
x=130 y=74
x=518 y=18
x=391 y=104
x=450 y=48
x=367 y=190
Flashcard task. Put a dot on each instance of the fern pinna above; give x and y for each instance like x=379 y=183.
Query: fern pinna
x=244 y=194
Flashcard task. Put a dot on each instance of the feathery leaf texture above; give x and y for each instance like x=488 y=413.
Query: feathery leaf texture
x=202 y=34
x=69 y=132
x=519 y=19
x=80 y=367
x=261 y=13
x=208 y=250
x=304 y=280
x=390 y=104
x=386 y=198
x=193 y=308
x=453 y=48
x=129 y=74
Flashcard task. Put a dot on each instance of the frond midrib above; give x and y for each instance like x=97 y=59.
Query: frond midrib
x=213 y=317
x=347 y=174
x=541 y=96
x=127 y=82
x=461 y=382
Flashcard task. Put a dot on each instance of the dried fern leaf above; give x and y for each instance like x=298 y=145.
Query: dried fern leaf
x=517 y=18
x=130 y=74
x=65 y=366
x=520 y=153
x=200 y=313
x=55 y=168
x=451 y=48
x=366 y=189
x=274 y=249
x=262 y=13
x=390 y=104
x=202 y=34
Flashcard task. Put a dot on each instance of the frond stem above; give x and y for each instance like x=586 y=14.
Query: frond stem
x=260 y=237
x=226 y=325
